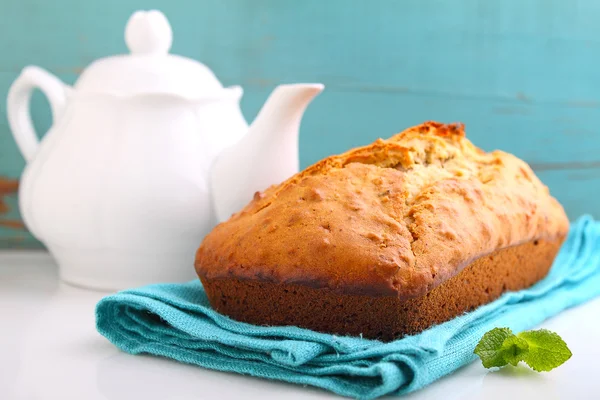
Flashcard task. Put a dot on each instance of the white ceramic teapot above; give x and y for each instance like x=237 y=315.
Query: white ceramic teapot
x=125 y=185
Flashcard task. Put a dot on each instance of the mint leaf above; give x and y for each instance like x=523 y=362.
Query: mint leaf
x=490 y=347
x=542 y=350
x=546 y=350
x=514 y=349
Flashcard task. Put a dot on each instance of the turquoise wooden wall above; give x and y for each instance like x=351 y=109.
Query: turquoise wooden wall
x=524 y=75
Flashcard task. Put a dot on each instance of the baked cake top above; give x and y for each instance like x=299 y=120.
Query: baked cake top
x=396 y=217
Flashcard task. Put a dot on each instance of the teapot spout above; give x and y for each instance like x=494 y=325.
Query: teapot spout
x=266 y=155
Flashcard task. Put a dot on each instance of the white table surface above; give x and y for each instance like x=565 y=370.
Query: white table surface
x=49 y=349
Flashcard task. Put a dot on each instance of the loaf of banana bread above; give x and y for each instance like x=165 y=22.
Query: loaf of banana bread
x=385 y=240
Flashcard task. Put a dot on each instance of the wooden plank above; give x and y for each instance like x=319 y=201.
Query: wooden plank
x=576 y=189
x=530 y=50
x=540 y=133
x=12 y=230
x=338 y=120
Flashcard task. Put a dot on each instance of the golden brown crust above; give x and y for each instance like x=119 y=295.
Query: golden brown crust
x=397 y=217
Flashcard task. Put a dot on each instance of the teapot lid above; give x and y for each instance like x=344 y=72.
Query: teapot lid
x=149 y=68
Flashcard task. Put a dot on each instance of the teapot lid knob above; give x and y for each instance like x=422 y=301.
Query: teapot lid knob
x=148 y=32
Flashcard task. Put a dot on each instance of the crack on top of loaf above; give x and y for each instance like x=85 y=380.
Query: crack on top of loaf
x=429 y=145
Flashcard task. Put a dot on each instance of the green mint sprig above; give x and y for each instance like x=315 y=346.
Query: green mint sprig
x=542 y=349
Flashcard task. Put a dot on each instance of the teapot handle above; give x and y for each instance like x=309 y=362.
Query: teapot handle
x=19 y=95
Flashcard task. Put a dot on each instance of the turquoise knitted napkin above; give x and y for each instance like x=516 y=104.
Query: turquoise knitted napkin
x=176 y=321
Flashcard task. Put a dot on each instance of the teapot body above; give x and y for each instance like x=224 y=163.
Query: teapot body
x=144 y=157
x=119 y=187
